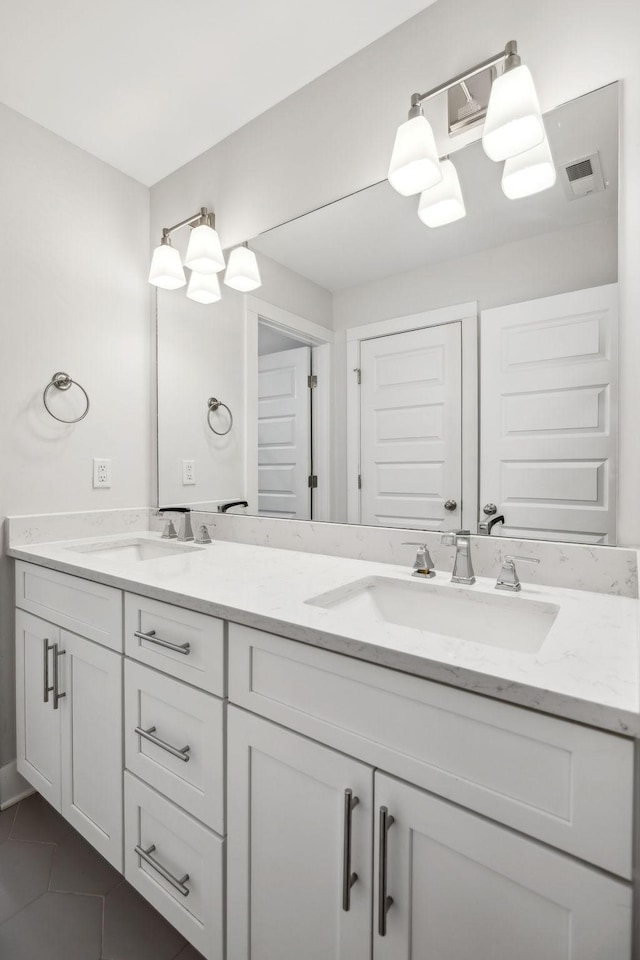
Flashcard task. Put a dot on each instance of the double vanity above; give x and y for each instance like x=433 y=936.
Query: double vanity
x=298 y=755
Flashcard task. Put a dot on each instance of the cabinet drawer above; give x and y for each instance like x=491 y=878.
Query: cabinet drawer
x=89 y=609
x=182 y=717
x=185 y=644
x=184 y=878
x=568 y=785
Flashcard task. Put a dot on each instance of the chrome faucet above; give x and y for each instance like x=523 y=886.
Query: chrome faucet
x=462 y=566
x=185 y=532
x=508 y=578
x=423 y=564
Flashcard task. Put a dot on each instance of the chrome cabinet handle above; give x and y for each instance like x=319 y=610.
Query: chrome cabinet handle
x=57 y=696
x=348 y=878
x=384 y=901
x=181 y=754
x=178 y=885
x=46 y=646
x=184 y=648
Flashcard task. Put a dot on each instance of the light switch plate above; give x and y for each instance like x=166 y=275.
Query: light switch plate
x=101 y=472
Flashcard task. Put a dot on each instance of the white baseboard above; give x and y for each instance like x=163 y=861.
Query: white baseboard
x=13 y=787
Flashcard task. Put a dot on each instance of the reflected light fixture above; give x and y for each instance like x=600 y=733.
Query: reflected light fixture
x=204 y=287
x=513 y=125
x=443 y=203
x=530 y=172
x=243 y=273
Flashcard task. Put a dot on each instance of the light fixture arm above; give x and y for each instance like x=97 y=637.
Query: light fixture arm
x=509 y=56
x=203 y=217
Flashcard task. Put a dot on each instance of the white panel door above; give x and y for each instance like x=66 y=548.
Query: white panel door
x=284 y=434
x=38 y=724
x=548 y=415
x=411 y=428
x=464 y=888
x=91 y=737
x=287 y=862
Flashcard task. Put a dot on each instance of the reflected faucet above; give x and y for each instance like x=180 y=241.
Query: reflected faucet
x=486 y=526
x=462 y=566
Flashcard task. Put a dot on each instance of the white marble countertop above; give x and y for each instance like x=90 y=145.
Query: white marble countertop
x=588 y=667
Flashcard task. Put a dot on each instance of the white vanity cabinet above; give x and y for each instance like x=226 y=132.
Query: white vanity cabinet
x=69 y=705
x=174 y=789
x=454 y=775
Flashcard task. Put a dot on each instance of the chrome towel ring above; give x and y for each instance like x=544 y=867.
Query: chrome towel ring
x=214 y=405
x=62 y=381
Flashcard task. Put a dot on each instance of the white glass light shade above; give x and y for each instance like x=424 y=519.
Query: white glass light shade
x=242 y=273
x=204 y=287
x=204 y=253
x=513 y=123
x=166 y=268
x=529 y=173
x=414 y=162
x=442 y=203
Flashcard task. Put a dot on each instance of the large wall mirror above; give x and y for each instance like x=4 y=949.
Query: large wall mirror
x=390 y=373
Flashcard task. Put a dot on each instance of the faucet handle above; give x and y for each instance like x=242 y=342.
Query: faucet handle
x=169 y=532
x=508 y=578
x=203 y=535
x=423 y=564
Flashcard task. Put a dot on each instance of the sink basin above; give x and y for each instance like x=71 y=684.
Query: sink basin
x=510 y=622
x=136 y=548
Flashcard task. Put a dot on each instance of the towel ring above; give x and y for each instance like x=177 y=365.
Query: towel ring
x=62 y=381
x=214 y=405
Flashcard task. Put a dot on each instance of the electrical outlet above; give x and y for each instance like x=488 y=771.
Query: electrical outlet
x=188 y=473
x=101 y=473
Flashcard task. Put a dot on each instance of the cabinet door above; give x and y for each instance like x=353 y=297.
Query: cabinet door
x=91 y=737
x=464 y=888
x=290 y=861
x=38 y=724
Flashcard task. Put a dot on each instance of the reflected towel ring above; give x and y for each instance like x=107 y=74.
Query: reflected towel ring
x=62 y=381
x=214 y=405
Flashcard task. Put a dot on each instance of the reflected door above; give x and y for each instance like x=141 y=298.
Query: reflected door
x=548 y=427
x=411 y=428
x=284 y=434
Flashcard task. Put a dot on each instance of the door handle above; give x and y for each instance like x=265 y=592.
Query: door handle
x=384 y=901
x=451 y=504
x=348 y=878
x=57 y=696
x=46 y=647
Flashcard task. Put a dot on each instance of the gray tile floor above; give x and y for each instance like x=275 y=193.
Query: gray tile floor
x=59 y=900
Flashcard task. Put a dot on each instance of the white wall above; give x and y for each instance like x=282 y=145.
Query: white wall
x=335 y=136
x=73 y=297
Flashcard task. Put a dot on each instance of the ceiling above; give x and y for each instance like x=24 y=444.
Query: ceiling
x=147 y=85
x=376 y=233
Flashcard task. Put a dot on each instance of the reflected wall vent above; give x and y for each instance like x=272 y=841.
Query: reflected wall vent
x=582 y=177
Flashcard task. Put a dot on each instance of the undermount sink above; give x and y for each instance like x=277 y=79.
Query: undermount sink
x=513 y=623
x=136 y=548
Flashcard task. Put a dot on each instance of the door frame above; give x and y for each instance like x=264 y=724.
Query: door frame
x=466 y=314
x=321 y=340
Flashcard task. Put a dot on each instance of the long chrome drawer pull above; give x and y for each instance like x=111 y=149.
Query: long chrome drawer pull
x=57 y=696
x=179 y=885
x=46 y=646
x=348 y=878
x=181 y=754
x=150 y=635
x=384 y=902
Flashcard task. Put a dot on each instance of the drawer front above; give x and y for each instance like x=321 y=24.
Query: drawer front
x=182 y=717
x=182 y=643
x=81 y=606
x=183 y=876
x=568 y=785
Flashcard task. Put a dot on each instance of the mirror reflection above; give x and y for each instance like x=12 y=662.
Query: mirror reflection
x=394 y=374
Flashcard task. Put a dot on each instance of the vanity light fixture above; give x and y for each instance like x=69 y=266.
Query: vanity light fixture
x=204 y=287
x=204 y=253
x=242 y=272
x=443 y=203
x=513 y=125
x=529 y=173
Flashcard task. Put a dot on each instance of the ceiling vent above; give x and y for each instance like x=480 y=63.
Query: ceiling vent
x=582 y=177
